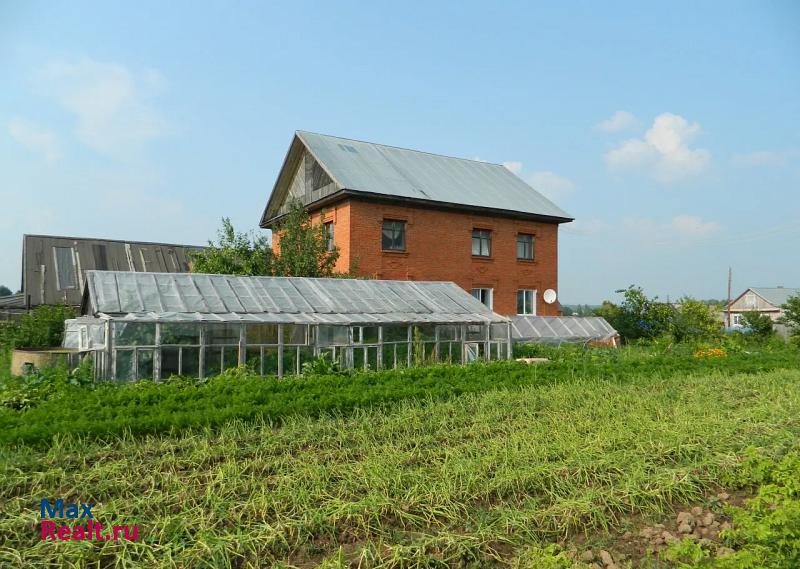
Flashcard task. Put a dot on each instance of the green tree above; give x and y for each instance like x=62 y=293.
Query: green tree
x=694 y=320
x=760 y=324
x=235 y=254
x=791 y=315
x=5 y=291
x=637 y=316
x=302 y=246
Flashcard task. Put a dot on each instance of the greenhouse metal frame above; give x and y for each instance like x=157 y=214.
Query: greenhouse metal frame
x=154 y=325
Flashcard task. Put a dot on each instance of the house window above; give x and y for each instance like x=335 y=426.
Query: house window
x=737 y=319
x=329 y=236
x=526 y=302
x=525 y=246
x=481 y=242
x=393 y=235
x=484 y=295
x=65 y=267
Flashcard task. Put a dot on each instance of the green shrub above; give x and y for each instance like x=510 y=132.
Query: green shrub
x=760 y=325
x=42 y=328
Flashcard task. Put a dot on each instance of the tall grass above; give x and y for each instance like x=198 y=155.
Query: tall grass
x=472 y=479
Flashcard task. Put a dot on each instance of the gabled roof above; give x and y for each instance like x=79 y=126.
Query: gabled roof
x=227 y=298
x=369 y=169
x=775 y=295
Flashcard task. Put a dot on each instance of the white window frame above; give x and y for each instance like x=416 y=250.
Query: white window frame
x=527 y=310
x=489 y=292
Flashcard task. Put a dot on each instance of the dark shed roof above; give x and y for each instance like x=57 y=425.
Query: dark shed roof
x=54 y=267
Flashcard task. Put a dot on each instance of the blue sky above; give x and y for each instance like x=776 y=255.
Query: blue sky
x=671 y=132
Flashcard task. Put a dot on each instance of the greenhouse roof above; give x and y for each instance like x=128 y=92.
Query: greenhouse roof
x=226 y=298
x=560 y=329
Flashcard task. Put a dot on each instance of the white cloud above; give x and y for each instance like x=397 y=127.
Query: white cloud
x=112 y=104
x=682 y=226
x=616 y=122
x=552 y=185
x=515 y=167
x=765 y=158
x=663 y=151
x=34 y=138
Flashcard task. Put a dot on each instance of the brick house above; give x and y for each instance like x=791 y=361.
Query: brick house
x=408 y=215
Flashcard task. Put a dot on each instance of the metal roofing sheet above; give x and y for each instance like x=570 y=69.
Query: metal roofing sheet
x=200 y=297
x=369 y=167
x=560 y=328
x=776 y=295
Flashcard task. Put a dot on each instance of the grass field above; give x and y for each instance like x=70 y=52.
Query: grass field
x=472 y=480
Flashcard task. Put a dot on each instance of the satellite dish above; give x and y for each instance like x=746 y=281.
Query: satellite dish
x=550 y=296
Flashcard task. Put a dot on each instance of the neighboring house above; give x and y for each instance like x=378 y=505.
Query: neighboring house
x=54 y=268
x=403 y=214
x=766 y=300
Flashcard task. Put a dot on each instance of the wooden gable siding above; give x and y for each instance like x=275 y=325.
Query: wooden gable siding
x=749 y=300
x=301 y=184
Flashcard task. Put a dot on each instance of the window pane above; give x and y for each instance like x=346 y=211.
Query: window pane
x=144 y=364
x=476 y=332
x=211 y=364
x=520 y=302
x=124 y=365
x=222 y=334
x=65 y=267
x=448 y=332
x=393 y=236
x=332 y=335
x=190 y=362
x=180 y=334
x=329 y=235
x=499 y=331
x=169 y=362
x=262 y=334
x=294 y=334
x=395 y=333
x=230 y=357
x=134 y=333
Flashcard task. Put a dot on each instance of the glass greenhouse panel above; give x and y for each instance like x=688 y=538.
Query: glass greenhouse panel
x=332 y=335
x=134 y=333
x=222 y=334
x=262 y=334
x=173 y=333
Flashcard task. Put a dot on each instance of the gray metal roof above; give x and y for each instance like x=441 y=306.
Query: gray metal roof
x=412 y=174
x=776 y=295
x=226 y=298
x=555 y=329
x=54 y=267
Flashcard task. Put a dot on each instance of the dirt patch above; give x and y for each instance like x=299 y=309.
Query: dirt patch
x=702 y=524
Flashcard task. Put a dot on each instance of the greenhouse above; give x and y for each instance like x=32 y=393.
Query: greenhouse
x=557 y=330
x=155 y=325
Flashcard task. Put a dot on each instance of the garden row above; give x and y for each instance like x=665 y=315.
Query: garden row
x=67 y=408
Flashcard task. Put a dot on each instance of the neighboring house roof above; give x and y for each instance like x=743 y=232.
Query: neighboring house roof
x=560 y=329
x=776 y=295
x=54 y=267
x=369 y=169
x=227 y=298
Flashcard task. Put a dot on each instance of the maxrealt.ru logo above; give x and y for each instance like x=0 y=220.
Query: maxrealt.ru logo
x=90 y=531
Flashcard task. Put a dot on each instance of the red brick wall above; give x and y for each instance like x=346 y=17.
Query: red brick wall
x=439 y=247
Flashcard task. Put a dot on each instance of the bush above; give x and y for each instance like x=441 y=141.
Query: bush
x=760 y=325
x=43 y=328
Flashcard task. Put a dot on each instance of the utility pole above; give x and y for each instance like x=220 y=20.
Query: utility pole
x=730 y=278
